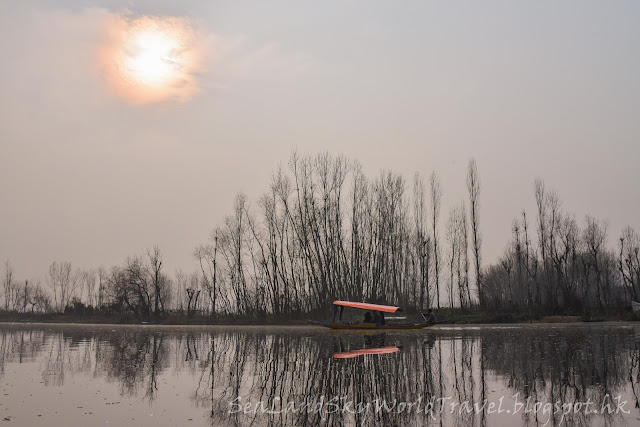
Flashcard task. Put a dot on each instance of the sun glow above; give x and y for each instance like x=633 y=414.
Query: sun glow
x=153 y=59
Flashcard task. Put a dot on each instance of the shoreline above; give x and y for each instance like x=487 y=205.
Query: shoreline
x=447 y=319
x=436 y=329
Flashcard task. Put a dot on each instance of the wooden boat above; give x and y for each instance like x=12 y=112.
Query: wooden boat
x=339 y=324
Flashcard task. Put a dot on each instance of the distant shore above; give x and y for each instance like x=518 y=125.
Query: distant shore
x=446 y=316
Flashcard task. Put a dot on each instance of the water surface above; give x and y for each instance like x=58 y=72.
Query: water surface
x=482 y=375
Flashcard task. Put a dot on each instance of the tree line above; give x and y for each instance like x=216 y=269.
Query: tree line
x=567 y=267
x=324 y=230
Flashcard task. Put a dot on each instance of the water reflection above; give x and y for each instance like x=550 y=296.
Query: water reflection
x=298 y=376
x=371 y=344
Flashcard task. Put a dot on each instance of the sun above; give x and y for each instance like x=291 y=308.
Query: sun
x=153 y=59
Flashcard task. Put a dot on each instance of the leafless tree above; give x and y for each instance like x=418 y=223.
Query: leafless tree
x=7 y=284
x=87 y=286
x=102 y=282
x=423 y=246
x=594 y=238
x=464 y=248
x=458 y=260
x=40 y=300
x=25 y=296
x=436 y=196
x=181 y=285
x=519 y=260
x=473 y=187
x=207 y=256
x=530 y=260
x=158 y=280
x=542 y=231
x=231 y=242
x=453 y=251
x=140 y=286
x=193 y=293
x=629 y=262
x=63 y=282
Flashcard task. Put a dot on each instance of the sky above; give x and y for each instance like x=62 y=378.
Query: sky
x=95 y=168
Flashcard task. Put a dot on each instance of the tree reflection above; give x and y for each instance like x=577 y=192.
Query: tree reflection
x=566 y=367
x=274 y=372
x=19 y=345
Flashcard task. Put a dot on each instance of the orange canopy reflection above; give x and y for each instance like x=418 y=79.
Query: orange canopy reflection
x=356 y=353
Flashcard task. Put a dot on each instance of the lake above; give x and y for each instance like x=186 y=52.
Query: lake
x=575 y=374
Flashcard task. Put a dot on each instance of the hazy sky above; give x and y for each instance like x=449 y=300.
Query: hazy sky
x=530 y=89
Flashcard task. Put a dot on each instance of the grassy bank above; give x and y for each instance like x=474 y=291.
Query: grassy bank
x=458 y=316
x=447 y=316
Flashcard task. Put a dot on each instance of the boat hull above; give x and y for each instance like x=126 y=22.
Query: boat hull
x=367 y=326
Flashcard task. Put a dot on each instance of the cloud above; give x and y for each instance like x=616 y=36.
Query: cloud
x=269 y=59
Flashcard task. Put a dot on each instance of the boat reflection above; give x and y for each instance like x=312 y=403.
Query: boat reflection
x=371 y=351
x=370 y=345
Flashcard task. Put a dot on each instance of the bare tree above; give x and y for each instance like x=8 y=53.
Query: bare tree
x=88 y=287
x=554 y=218
x=548 y=222
x=594 y=238
x=452 y=238
x=207 y=256
x=25 y=296
x=181 y=285
x=131 y=288
x=629 y=262
x=530 y=269
x=458 y=259
x=192 y=299
x=542 y=231
x=7 y=284
x=473 y=187
x=464 y=248
x=40 y=300
x=63 y=281
x=436 y=196
x=102 y=282
x=232 y=250
x=519 y=259
x=158 y=280
x=422 y=240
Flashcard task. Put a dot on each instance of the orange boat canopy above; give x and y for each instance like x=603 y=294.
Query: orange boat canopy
x=365 y=306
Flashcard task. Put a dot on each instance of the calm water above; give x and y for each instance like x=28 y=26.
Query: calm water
x=143 y=375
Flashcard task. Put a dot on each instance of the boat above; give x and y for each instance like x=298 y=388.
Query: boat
x=338 y=309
